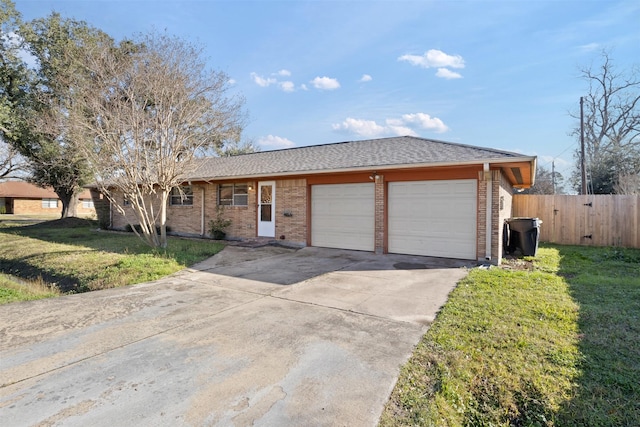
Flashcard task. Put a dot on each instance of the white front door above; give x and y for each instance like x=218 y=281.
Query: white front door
x=267 y=209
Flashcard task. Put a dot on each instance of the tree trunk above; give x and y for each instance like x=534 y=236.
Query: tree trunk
x=164 y=196
x=69 y=203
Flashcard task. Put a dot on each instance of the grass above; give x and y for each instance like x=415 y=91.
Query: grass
x=14 y=291
x=554 y=346
x=75 y=257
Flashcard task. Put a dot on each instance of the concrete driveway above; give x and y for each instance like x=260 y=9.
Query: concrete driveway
x=266 y=336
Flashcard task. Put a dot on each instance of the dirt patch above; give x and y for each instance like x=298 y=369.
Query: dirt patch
x=513 y=263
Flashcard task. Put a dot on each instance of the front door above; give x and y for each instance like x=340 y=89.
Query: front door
x=267 y=209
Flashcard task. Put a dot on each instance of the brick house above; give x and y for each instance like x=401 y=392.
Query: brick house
x=23 y=198
x=404 y=195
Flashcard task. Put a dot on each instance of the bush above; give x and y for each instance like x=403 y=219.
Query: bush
x=218 y=225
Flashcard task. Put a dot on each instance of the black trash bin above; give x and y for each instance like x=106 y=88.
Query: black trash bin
x=522 y=234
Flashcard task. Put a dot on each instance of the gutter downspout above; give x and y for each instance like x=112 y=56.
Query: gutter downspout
x=110 y=212
x=202 y=212
x=488 y=210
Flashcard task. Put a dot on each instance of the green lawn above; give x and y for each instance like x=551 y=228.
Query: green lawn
x=554 y=346
x=14 y=291
x=74 y=256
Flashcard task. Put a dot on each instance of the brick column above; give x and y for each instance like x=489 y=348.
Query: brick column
x=379 y=214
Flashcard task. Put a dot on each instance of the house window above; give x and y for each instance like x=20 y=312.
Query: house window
x=233 y=195
x=49 y=203
x=87 y=204
x=184 y=198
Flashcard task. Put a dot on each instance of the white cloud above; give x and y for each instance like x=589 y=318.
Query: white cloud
x=304 y=87
x=365 y=78
x=325 y=83
x=405 y=125
x=446 y=73
x=261 y=81
x=287 y=86
x=272 y=142
x=434 y=58
x=590 y=47
x=401 y=130
x=284 y=73
x=232 y=81
x=368 y=128
x=425 y=121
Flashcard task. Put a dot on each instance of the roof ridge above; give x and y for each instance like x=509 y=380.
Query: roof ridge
x=313 y=146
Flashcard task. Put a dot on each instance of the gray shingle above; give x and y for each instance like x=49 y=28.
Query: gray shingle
x=372 y=153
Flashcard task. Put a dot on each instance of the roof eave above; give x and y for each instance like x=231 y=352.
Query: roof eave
x=501 y=160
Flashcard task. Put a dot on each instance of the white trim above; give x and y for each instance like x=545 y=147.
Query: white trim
x=267 y=228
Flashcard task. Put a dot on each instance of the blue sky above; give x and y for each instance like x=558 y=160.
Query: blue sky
x=500 y=74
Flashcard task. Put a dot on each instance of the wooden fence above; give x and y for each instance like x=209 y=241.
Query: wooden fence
x=598 y=220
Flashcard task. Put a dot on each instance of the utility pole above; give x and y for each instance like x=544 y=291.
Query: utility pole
x=553 y=175
x=583 y=166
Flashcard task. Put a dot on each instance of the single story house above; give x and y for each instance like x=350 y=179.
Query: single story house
x=404 y=195
x=24 y=198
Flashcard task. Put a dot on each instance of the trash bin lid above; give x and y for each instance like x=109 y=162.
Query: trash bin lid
x=523 y=224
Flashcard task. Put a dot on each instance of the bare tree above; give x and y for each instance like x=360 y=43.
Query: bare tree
x=150 y=110
x=611 y=123
x=11 y=163
x=546 y=182
x=627 y=184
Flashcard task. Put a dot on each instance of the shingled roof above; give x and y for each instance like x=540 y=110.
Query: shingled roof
x=26 y=190
x=384 y=153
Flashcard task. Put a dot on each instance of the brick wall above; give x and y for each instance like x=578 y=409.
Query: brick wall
x=119 y=221
x=290 y=216
x=102 y=208
x=243 y=218
x=501 y=196
x=481 y=218
x=380 y=222
x=502 y=211
x=291 y=211
x=34 y=206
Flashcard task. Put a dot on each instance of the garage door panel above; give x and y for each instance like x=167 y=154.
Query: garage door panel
x=342 y=216
x=433 y=218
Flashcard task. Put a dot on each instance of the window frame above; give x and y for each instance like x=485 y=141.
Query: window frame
x=88 y=204
x=236 y=195
x=176 y=198
x=46 y=203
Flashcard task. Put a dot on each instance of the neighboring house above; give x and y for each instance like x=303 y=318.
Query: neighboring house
x=403 y=195
x=23 y=198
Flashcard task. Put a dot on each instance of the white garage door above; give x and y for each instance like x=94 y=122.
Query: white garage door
x=342 y=216
x=433 y=218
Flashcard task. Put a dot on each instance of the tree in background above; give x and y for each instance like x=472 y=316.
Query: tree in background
x=57 y=46
x=628 y=184
x=234 y=148
x=611 y=126
x=148 y=112
x=545 y=182
x=14 y=82
x=11 y=163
